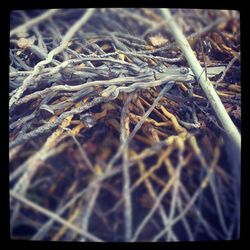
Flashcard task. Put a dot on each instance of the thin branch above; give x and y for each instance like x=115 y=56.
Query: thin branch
x=126 y=194
x=64 y=43
x=185 y=221
x=205 y=84
x=153 y=194
x=48 y=127
x=83 y=152
x=227 y=68
x=54 y=216
x=35 y=21
x=176 y=189
x=169 y=184
x=191 y=202
x=167 y=87
x=42 y=231
x=90 y=204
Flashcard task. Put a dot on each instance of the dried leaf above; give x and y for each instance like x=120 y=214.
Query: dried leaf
x=106 y=47
x=158 y=40
x=23 y=43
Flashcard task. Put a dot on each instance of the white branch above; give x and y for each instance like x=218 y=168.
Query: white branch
x=35 y=21
x=55 y=217
x=205 y=84
x=64 y=43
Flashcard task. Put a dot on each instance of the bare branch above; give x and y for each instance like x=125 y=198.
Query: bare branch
x=205 y=84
